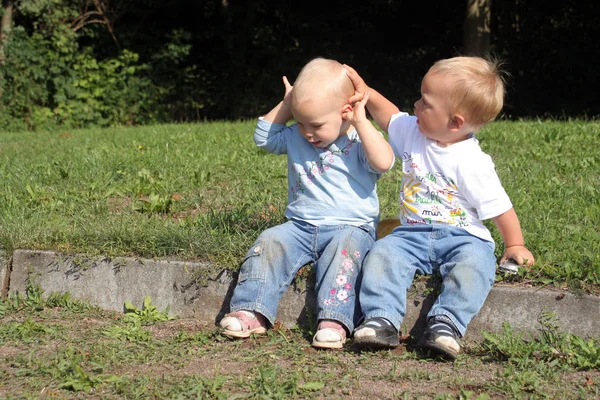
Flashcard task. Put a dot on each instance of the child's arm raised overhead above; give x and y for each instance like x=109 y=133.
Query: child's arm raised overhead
x=380 y=108
x=514 y=244
x=377 y=149
x=268 y=128
x=281 y=113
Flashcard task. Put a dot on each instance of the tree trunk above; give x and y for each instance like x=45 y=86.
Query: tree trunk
x=476 y=41
x=5 y=26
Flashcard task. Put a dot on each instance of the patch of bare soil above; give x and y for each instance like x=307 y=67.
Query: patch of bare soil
x=187 y=348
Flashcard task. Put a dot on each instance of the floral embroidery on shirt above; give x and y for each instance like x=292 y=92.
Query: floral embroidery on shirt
x=316 y=168
x=341 y=292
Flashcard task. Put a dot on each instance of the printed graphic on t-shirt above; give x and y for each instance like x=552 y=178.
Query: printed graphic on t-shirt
x=428 y=197
x=315 y=168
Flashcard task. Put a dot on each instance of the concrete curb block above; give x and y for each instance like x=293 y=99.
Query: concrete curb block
x=4 y=273
x=110 y=282
x=522 y=308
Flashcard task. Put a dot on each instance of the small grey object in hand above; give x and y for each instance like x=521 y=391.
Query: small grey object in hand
x=509 y=266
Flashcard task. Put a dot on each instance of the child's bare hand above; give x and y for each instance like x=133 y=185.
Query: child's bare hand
x=287 y=98
x=360 y=87
x=520 y=254
x=358 y=113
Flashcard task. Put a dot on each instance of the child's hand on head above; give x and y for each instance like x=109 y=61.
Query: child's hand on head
x=360 y=87
x=358 y=113
x=287 y=97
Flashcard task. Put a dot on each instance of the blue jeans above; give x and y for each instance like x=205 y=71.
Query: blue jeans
x=466 y=263
x=272 y=262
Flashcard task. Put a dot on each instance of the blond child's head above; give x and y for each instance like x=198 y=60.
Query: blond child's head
x=478 y=88
x=322 y=78
x=458 y=96
x=318 y=99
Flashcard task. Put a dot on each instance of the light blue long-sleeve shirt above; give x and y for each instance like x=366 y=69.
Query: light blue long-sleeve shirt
x=326 y=186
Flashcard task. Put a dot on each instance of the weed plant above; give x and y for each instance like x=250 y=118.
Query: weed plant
x=205 y=192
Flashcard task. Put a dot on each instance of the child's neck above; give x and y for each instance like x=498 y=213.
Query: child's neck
x=347 y=130
x=459 y=139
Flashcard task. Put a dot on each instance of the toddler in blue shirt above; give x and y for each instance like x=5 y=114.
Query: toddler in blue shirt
x=335 y=157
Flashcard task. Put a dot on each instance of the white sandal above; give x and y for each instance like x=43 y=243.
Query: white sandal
x=242 y=324
x=329 y=337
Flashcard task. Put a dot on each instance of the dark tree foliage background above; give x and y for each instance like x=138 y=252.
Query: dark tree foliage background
x=189 y=60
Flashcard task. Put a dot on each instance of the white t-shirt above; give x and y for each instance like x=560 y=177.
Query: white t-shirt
x=455 y=185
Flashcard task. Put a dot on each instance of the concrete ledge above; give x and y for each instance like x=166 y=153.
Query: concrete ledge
x=4 y=273
x=110 y=282
x=523 y=307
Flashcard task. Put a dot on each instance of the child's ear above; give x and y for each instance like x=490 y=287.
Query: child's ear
x=346 y=108
x=457 y=122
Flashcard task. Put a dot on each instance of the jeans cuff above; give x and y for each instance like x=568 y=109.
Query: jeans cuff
x=461 y=329
x=329 y=314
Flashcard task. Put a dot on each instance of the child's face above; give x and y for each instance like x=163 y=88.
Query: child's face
x=320 y=121
x=434 y=112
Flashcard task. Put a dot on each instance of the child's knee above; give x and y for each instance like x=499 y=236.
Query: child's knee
x=355 y=239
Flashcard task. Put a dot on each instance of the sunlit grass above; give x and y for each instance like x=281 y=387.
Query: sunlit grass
x=205 y=191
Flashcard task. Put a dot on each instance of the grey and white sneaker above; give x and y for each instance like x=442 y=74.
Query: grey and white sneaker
x=376 y=333
x=441 y=336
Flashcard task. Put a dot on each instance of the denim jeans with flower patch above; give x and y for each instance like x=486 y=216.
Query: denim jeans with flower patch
x=466 y=264
x=272 y=262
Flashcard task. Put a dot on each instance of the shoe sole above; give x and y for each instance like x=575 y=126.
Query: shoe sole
x=244 y=334
x=328 y=345
x=377 y=343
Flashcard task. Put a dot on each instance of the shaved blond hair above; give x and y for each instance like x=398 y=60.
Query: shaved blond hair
x=478 y=86
x=319 y=78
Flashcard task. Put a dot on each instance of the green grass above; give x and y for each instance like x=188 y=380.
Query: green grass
x=55 y=347
x=204 y=191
